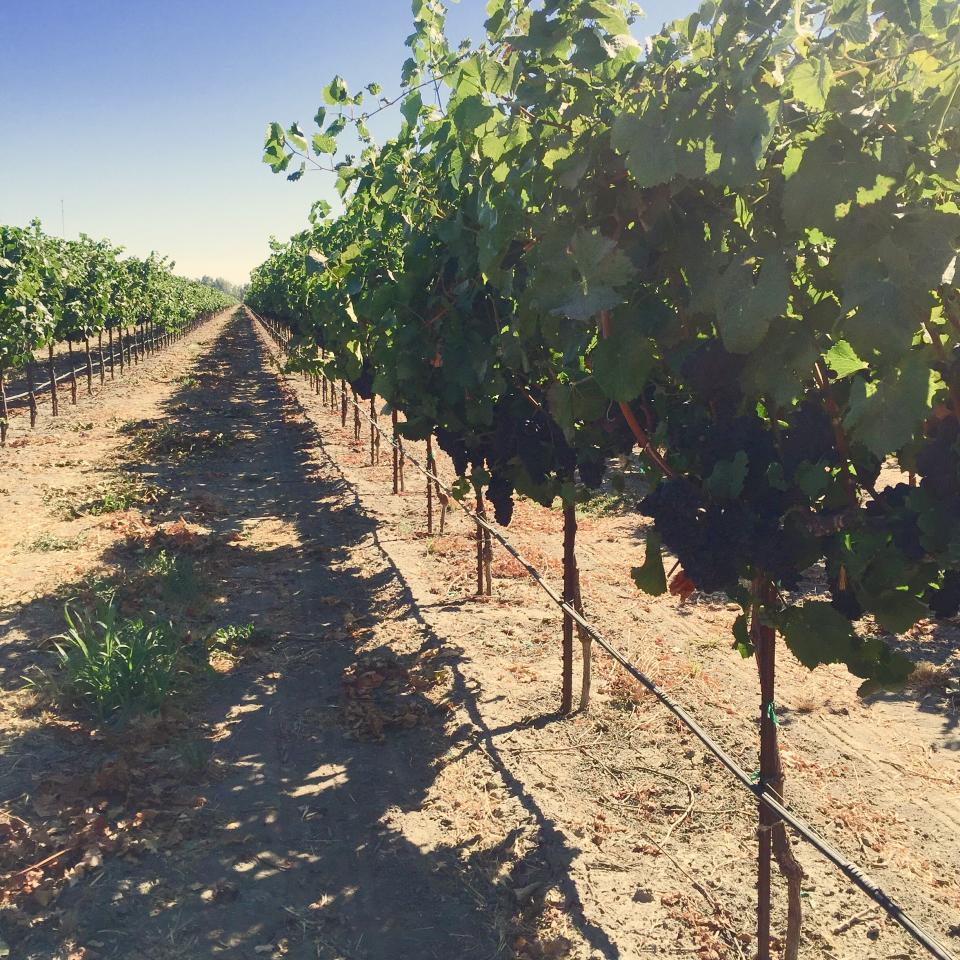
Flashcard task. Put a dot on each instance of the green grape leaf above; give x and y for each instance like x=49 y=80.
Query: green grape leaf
x=843 y=361
x=811 y=81
x=323 y=144
x=726 y=480
x=650 y=156
x=296 y=137
x=896 y=610
x=651 y=578
x=411 y=107
x=335 y=92
x=741 y=637
x=621 y=364
x=746 y=306
x=885 y=414
x=816 y=633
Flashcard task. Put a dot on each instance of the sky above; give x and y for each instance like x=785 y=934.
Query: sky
x=146 y=118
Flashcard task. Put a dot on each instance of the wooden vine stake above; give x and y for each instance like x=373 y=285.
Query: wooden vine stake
x=772 y=833
x=356 y=416
x=373 y=431
x=571 y=596
x=484 y=551
x=430 y=484
x=343 y=404
x=31 y=394
x=396 y=455
x=103 y=375
x=86 y=351
x=73 y=373
x=110 y=347
x=4 y=413
x=54 y=398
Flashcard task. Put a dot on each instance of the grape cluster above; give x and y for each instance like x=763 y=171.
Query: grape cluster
x=591 y=472
x=704 y=537
x=938 y=461
x=944 y=600
x=455 y=447
x=844 y=600
x=808 y=437
x=890 y=504
x=500 y=493
x=718 y=540
x=713 y=374
x=363 y=383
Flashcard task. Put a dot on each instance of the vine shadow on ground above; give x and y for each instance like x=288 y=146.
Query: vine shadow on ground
x=292 y=844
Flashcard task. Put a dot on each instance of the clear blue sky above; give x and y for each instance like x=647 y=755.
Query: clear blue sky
x=146 y=117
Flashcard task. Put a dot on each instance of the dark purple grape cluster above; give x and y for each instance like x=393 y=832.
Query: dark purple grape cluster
x=713 y=374
x=592 y=472
x=454 y=446
x=500 y=493
x=706 y=538
x=808 y=438
x=944 y=600
x=890 y=504
x=938 y=461
x=363 y=383
x=844 y=600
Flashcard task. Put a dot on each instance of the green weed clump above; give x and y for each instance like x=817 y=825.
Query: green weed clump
x=107 y=665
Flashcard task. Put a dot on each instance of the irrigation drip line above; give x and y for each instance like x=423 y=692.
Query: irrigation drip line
x=847 y=867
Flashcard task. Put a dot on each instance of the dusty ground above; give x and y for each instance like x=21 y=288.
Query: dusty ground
x=377 y=772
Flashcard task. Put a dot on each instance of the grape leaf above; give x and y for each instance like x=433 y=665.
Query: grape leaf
x=651 y=578
x=811 y=81
x=726 y=480
x=884 y=414
x=746 y=308
x=621 y=364
x=843 y=360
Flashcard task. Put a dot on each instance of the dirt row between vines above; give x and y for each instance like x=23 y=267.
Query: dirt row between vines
x=379 y=773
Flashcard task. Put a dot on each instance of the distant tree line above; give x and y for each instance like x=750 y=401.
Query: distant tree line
x=218 y=283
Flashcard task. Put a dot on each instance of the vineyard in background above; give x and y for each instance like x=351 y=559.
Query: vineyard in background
x=735 y=249
x=77 y=292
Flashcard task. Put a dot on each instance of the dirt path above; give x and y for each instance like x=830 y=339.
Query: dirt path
x=376 y=773
x=882 y=780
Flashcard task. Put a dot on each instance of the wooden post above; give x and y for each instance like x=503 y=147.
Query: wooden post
x=356 y=417
x=373 y=430
x=343 y=404
x=430 y=483
x=31 y=394
x=772 y=832
x=4 y=412
x=110 y=344
x=103 y=375
x=54 y=398
x=86 y=350
x=569 y=594
x=73 y=372
x=480 y=582
x=396 y=454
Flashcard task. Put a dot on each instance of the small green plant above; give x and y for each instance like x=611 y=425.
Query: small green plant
x=107 y=665
x=231 y=636
x=178 y=573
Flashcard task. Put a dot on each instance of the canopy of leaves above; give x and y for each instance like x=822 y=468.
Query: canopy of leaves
x=741 y=240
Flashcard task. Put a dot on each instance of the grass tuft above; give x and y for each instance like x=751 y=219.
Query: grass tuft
x=107 y=665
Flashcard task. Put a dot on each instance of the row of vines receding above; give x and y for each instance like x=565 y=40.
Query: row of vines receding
x=733 y=247
x=109 y=310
